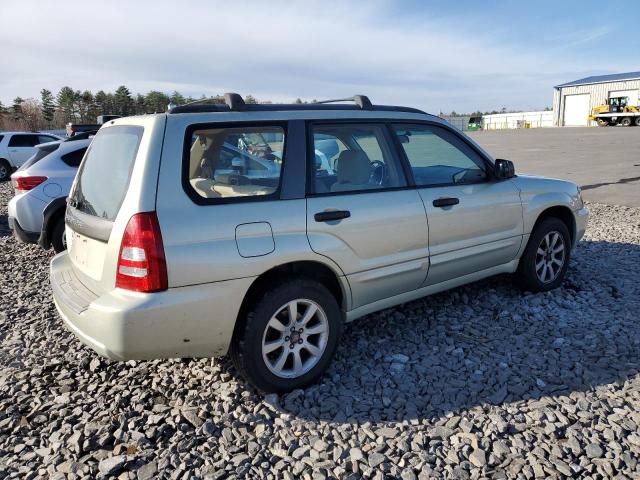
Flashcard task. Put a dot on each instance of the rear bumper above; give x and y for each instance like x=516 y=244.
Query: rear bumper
x=194 y=321
x=581 y=217
x=22 y=235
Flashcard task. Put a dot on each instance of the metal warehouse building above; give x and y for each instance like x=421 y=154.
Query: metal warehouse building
x=573 y=101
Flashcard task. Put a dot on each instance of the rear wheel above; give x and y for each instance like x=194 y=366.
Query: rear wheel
x=637 y=121
x=288 y=339
x=5 y=170
x=58 y=237
x=626 y=122
x=544 y=262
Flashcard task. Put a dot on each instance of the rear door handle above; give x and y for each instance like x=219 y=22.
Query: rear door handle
x=445 y=202
x=331 y=215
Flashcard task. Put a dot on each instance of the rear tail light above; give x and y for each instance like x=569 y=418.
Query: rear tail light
x=26 y=183
x=141 y=263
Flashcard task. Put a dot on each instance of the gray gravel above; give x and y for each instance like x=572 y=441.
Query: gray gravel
x=479 y=382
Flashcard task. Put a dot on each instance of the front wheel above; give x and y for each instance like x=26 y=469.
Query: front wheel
x=602 y=122
x=544 y=262
x=637 y=121
x=289 y=337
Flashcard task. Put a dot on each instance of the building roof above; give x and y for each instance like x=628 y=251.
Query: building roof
x=616 y=77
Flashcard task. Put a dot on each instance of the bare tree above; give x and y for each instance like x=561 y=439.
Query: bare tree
x=32 y=114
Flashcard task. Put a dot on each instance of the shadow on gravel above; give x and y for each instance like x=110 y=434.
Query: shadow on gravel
x=486 y=343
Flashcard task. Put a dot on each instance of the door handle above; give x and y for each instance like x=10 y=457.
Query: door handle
x=331 y=215
x=445 y=202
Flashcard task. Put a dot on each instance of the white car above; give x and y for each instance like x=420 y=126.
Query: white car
x=17 y=147
x=36 y=212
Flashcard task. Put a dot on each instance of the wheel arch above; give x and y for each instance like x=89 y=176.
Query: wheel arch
x=561 y=212
x=336 y=283
x=51 y=214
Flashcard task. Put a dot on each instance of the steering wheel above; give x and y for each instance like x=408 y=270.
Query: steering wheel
x=378 y=172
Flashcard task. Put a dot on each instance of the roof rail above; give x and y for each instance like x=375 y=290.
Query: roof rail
x=360 y=100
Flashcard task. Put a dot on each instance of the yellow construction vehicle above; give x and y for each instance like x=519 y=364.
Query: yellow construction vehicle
x=616 y=111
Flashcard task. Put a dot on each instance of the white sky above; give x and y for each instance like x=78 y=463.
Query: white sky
x=278 y=50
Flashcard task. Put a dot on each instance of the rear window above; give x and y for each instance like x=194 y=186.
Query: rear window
x=104 y=177
x=73 y=159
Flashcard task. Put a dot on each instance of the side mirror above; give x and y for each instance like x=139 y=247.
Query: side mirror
x=504 y=169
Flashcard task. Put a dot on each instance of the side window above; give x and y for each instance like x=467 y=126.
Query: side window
x=353 y=157
x=236 y=161
x=73 y=159
x=23 y=141
x=46 y=139
x=438 y=156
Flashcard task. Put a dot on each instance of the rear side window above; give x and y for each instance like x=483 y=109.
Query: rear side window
x=104 y=177
x=46 y=139
x=352 y=158
x=73 y=159
x=234 y=162
x=1 y=138
x=24 y=141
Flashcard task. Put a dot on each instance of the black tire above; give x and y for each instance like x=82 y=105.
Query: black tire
x=527 y=275
x=57 y=236
x=5 y=170
x=626 y=122
x=246 y=346
x=637 y=121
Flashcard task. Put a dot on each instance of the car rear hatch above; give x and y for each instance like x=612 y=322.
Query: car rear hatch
x=116 y=180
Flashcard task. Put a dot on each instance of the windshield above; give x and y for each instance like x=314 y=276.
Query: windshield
x=104 y=175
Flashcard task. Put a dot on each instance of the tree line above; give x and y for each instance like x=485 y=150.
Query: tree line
x=68 y=105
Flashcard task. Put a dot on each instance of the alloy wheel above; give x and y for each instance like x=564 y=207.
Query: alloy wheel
x=550 y=257
x=295 y=338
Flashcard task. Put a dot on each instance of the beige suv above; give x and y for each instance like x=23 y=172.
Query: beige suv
x=258 y=230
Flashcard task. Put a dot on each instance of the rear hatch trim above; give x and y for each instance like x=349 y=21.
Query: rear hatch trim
x=97 y=228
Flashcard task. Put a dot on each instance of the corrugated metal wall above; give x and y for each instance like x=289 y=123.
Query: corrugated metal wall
x=599 y=94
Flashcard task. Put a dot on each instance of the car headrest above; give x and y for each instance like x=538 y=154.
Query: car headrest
x=353 y=167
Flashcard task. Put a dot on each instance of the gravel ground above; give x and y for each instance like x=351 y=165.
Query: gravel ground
x=479 y=382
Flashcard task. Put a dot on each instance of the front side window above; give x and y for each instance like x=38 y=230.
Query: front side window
x=103 y=179
x=229 y=162
x=438 y=156
x=353 y=157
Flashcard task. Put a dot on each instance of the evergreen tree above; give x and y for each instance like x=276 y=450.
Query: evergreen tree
x=177 y=98
x=17 y=106
x=156 y=101
x=66 y=104
x=123 y=101
x=48 y=105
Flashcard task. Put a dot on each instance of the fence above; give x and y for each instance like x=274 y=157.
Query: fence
x=501 y=121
